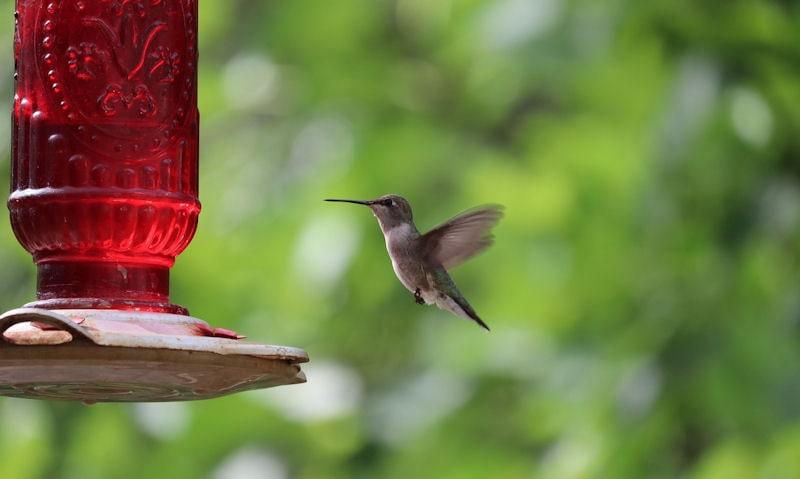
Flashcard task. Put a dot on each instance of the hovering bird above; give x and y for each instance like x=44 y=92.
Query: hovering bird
x=421 y=261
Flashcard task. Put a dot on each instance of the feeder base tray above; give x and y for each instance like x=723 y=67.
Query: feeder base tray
x=129 y=356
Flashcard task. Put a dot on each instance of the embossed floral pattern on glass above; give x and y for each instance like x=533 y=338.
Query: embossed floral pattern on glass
x=105 y=137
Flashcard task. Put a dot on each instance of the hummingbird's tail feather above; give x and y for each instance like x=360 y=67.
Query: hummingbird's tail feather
x=480 y=322
x=459 y=306
x=473 y=316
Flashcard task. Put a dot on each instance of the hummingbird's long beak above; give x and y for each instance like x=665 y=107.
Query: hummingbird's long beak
x=358 y=202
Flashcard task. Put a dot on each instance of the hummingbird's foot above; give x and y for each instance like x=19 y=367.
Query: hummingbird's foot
x=418 y=297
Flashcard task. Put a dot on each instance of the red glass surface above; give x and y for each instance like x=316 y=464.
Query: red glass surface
x=105 y=136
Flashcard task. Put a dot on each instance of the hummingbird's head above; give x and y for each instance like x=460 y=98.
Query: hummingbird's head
x=391 y=210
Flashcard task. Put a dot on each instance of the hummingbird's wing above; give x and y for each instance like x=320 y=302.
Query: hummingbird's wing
x=461 y=237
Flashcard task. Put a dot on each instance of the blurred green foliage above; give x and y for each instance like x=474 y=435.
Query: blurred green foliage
x=643 y=292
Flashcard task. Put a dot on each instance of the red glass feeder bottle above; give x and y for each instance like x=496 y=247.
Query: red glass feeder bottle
x=104 y=196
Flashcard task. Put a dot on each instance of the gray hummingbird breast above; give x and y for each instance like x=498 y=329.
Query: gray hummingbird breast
x=406 y=260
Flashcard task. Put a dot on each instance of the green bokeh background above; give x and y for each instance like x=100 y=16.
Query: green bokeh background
x=643 y=291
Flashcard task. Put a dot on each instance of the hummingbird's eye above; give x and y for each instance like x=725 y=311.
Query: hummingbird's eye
x=388 y=202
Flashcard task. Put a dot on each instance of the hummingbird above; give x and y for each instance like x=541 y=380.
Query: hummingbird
x=421 y=261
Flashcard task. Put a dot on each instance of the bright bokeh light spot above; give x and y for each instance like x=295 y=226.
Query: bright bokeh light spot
x=162 y=419
x=511 y=22
x=751 y=117
x=324 y=250
x=571 y=456
x=333 y=390
x=21 y=419
x=417 y=403
x=251 y=463
x=321 y=151
x=250 y=81
x=780 y=208
x=517 y=352
x=638 y=389
x=696 y=89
